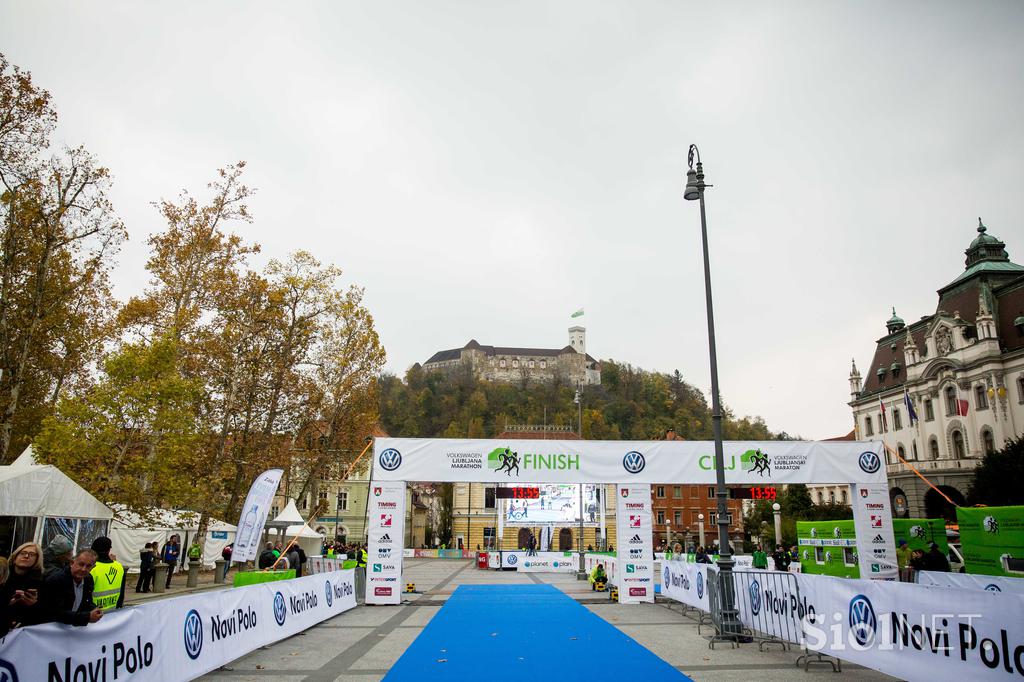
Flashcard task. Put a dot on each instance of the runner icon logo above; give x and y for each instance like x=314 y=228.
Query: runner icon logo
x=193 y=634
x=280 y=609
x=869 y=462
x=862 y=620
x=7 y=672
x=755 y=597
x=991 y=524
x=633 y=462
x=390 y=459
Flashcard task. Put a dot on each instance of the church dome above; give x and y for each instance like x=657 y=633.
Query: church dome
x=895 y=323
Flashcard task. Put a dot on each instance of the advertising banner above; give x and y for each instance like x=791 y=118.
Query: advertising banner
x=829 y=548
x=550 y=562
x=968 y=581
x=175 y=639
x=386 y=510
x=872 y=518
x=992 y=540
x=556 y=503
x=254 y=515
x=635 y=553
x=686 y=583
x=554 y=461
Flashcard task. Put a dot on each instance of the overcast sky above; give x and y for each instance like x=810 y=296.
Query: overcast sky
x=484 y=169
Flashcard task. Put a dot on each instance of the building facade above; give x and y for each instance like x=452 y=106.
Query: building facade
x=511 y=365
x=961 y=371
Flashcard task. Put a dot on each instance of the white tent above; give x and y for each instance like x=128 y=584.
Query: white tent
x=130 y=532
x=293 y=525
x=37 y=502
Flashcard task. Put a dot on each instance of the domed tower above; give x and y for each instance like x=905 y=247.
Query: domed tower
x=895 y=323
x=985 y=247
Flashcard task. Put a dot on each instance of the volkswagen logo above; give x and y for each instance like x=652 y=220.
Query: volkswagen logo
x=862 y=620
x=755 y=597
x=512 y=559
x=280 y=609
x=668 y=578
x=700 y=586
x=993 y=588
x=193 y=634
x=7 y=672
x=869 y=462
x=329 y=593
x=633 y=462
x=390 y=459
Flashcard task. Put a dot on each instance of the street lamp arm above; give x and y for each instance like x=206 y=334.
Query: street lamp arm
x=693 y=152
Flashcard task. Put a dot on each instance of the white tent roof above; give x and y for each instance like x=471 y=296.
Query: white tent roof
x=290 y=514
x=30 y=489
x=307 y=532
x=167 y=519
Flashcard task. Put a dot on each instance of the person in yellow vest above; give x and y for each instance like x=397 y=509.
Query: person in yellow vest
x=108 y=577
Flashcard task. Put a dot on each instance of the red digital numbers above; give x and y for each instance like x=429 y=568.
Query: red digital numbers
x=525 y=493
x=763 y=493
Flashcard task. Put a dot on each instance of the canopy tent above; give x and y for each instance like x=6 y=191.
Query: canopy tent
x=310 y=541
x=130 y=532
x=38 y=502
x=292 y=525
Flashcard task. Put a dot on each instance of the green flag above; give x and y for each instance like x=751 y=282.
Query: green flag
x=578 y=313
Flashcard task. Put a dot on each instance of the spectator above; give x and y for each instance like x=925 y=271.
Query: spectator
x=597 y=576
x=108 y=577
x=169 y=555
x=903 y=560
x=296 y=558
x=20 y=593
x=917 y=560
x=760 y=558
x=3 y=603
x=781 y=558
x=225 y=554
x=935 y=560
x=195 y=550
x=267 y=556
x=702 y=556
x=794 y=555
x=68 y=594
x=146 y=563
x=56 y=556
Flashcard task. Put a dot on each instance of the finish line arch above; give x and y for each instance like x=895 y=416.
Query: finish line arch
x=631 y=465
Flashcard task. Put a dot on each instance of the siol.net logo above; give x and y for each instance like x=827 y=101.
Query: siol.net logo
x=755 y=597
x=280 y=609
x=862 y=620
x=633 y=462
x=503 y=459
x=390 y=459
x=329 y=593
x=869 y=462
x=193 y=634
x=756 y=461
x=7 y=672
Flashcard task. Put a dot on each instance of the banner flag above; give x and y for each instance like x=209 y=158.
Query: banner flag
x=254 y=515
x=384 y=555
x=635 y=555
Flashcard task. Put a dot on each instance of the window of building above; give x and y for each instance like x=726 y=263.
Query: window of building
x=821 y=497
x=929 y=411
x=831 y=497
x=711 y=492
x=531 y=364
x=901 y=451
x=501 y=363
x=989 y=441
x=342 y=500
x=868 y=429
x=661 y=517
x=933 y=446
x=951 y=406
x=959 y=450
x=490 y=537
x=897 y=419
x=543 y=364
x=980 y=397
x=713 y=518
x=846 y=498
x=1020 y=389
x=913 y=448
x=677 y=518
x=489 y=498
x=515 y=363
x=661 y=491
x=274 y=510
x=677 y=492
x=694 y=492
x=322 y=496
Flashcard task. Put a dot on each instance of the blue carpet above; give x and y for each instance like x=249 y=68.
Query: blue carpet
x=523 y=632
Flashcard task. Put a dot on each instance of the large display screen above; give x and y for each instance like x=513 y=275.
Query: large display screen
x=556 y=504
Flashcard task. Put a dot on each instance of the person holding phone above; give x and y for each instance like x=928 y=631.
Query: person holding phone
x=20 y=594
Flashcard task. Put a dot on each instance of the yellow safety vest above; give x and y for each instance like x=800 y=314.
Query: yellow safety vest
x=107 y=579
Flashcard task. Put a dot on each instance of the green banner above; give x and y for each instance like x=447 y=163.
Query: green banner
x=921 y=533
x=827 y=548
x=243 y=578
x=992 y=539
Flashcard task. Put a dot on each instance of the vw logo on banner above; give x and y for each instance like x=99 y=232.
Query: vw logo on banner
x=280 y=609
x=193 y=634
x=512 y=559
x=993 y=588
x=869 y=462
x=862 y=620
x=700 y=585
x=668 y=578
x=755 y=597
x=390 y=459
x=329 y=593
x=633 y=462
x=7 y=672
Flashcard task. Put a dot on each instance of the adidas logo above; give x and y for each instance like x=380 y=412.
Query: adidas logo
x=635 y=540
x=385 y=539
x=878 y=540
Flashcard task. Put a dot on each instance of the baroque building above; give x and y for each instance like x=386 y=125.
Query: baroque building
x=510 y=365
x=961 y=369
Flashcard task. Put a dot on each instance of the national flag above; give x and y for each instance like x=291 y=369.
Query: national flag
x=578 y=313
x=885 y=422
x=910 y=407
x=961 y=406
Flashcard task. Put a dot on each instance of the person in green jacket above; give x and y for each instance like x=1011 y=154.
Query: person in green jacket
x=760 y=558
x=903 y=560
x=597 y=576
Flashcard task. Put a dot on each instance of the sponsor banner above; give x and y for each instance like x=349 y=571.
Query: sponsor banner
x=254 y=515
x=872 y=518
x=968 y=581
x=686 y=583
x=549 y=562
x=635 y=560
x=992 y=539
x=386 y=511
x=554 y=461
x=175 y=639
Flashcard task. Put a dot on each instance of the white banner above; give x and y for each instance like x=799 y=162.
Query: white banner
x=686 y=582
x=872 y=524
x=386 y=539
x=971 y=581
x=254 y=515
x=175 y=639
x=554 y=461
x=635 y=553
x=549 y=562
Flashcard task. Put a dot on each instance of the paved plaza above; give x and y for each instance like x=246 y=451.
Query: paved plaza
x=364 y=643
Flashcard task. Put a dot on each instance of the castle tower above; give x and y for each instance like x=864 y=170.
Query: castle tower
x=854 y=381
x=578 y=339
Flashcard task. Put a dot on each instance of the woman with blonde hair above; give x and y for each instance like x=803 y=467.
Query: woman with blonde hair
x=19 y=595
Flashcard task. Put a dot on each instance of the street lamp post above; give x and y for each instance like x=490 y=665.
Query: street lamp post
x=694 y=191
x=668 y=536
x=777 y=513
x=700 y=529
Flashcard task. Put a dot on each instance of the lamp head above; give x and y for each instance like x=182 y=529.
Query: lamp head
x=776 y=507
x=692 y=191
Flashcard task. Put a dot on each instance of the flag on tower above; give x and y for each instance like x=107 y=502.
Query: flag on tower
x=885 y=422
x=910 y=407
x=578 y=313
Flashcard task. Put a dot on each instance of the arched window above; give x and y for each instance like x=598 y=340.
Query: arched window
x=902 y=452
x=501 y=363
x=831 y=497
x=846 y=500
x=515 y=363
x=951 y=407
x=867 y=426
x=821 y=497
x=913 y=448
x=988 y=440
x=959 y=450
x=933 y=446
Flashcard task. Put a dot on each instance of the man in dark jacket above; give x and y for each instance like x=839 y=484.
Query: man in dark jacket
x=56 y=556
x=781 y=558
x=267 y=557
x=935 y=560
x=68 y=594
